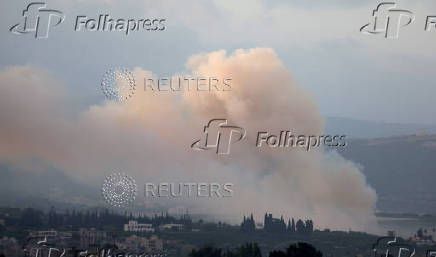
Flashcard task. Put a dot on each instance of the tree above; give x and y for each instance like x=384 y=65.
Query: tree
x=300 y=227
x=309 y=226
x=298 y=250
x=277 y=254
x=31 y=218
x=207 y=251
x=420 y=233
x=248 y=224
x=246 y=250
x=52 y=217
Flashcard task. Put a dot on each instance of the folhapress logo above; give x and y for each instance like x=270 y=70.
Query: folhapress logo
x=38 y=19
x=391 y=246
x=220 y=136
x=388 y=20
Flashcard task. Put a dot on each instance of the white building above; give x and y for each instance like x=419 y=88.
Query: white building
x=43 y=234
x=134 y=226
x=171 y=226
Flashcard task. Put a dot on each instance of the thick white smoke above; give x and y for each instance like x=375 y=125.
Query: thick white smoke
x=150 y=135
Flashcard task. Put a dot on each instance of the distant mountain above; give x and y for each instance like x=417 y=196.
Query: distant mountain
x=353 y=128
x=43 y=189
x=401 y=169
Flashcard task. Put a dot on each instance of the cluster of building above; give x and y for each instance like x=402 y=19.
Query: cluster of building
x=91 y=231
x=89 y=240
x=134 y=226
x=10 y=246
x=140 y=238
x=141 y=244
x=424 y=237
x=137 y=242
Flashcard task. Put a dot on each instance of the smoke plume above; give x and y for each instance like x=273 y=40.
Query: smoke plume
x=149 y=137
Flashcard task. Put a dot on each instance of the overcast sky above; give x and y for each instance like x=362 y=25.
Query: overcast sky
x=349 y=74
x=291 y=63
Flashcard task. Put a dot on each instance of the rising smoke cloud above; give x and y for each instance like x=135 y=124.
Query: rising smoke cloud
x=150 y=135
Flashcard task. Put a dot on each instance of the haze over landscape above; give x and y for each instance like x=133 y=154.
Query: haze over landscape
x=75 y=111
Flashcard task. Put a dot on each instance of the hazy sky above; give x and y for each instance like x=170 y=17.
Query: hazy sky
x=291 y=62
x=349 y=74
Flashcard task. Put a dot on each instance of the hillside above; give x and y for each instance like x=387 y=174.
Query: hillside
x=401 y=169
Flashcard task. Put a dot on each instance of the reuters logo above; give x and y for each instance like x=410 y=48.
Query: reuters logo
x=119 y=189
x=118 y=84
